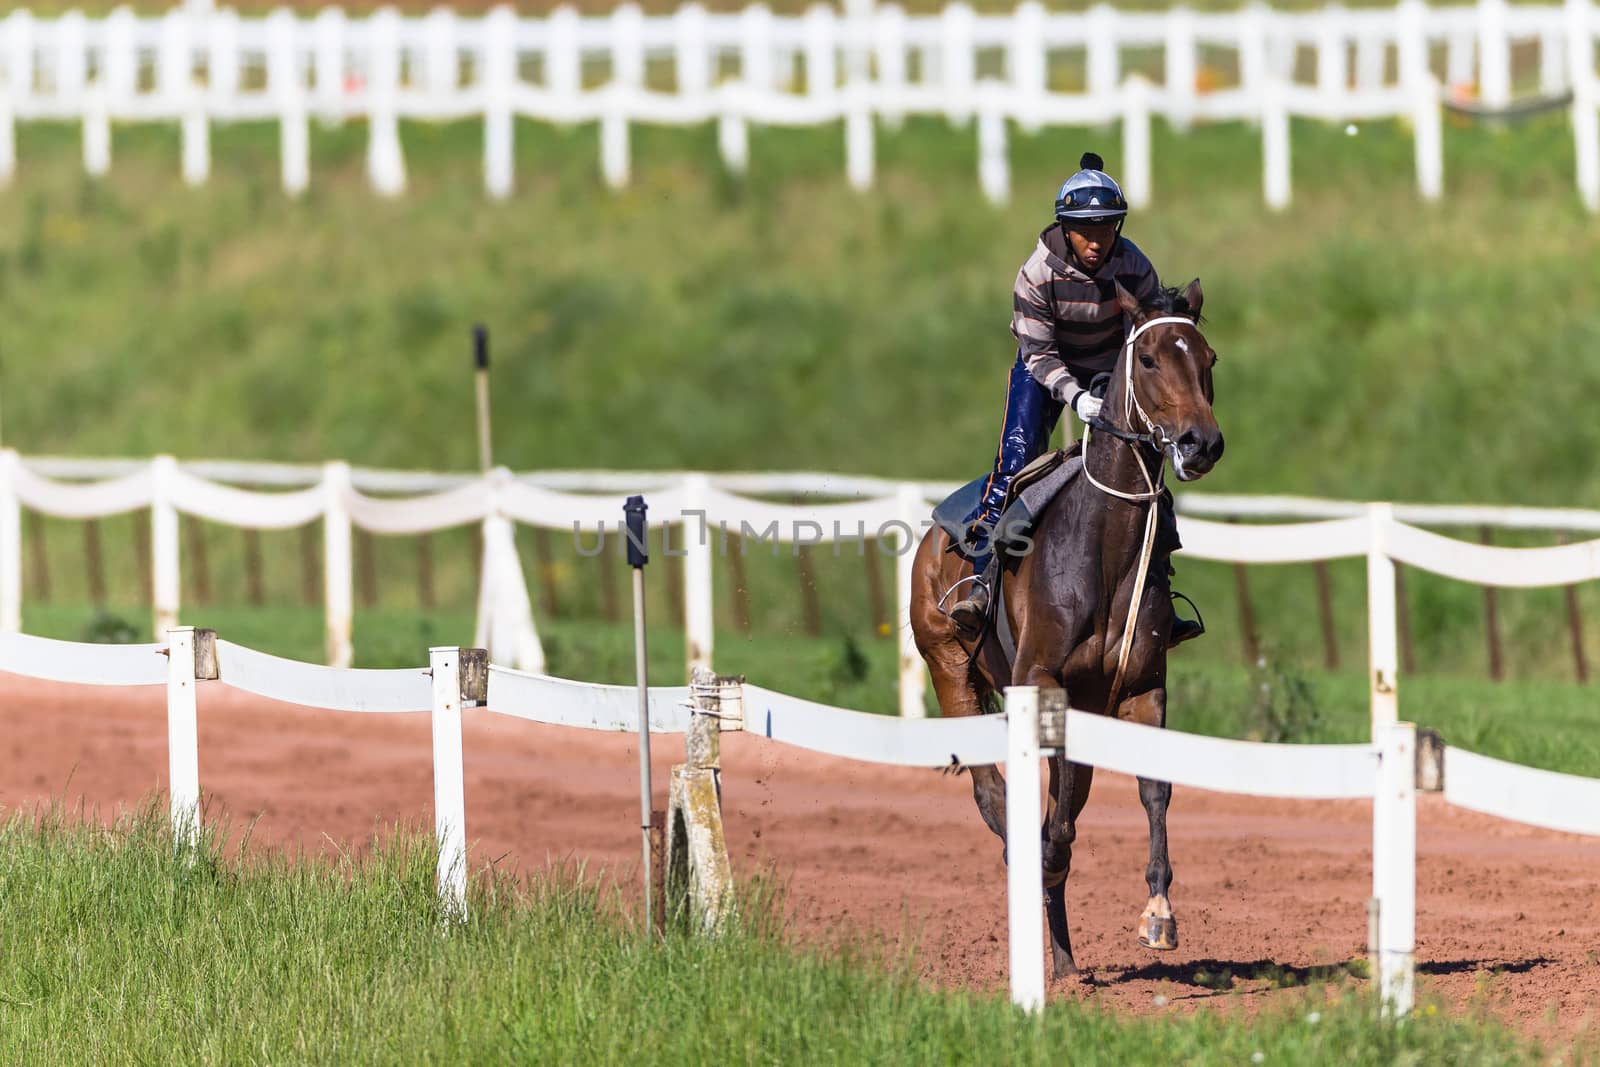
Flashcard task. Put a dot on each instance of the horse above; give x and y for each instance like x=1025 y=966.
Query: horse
x=1068 y=599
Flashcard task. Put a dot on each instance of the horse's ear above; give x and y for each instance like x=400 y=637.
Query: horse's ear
x=1127 y=302
x=1194 y=297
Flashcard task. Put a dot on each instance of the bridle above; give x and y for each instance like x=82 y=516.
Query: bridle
x=1156 y=436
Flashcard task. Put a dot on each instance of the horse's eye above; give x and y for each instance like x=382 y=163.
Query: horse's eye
x=1148 y=362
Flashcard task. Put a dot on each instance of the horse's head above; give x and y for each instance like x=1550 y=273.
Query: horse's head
x=1164 y=375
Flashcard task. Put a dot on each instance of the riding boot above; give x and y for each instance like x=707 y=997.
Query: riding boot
x=971 y=613
x=1184 y=630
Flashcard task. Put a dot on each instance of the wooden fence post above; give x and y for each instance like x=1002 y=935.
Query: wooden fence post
x=699 y=878
x=1402 y=619
x=255 y=587
x=367 y=566
x=1580 y=662
x=199 y=564
x=10 y=546
x=94 y=562
x=38 y=557
x=1491 y=618
x=1330 y=636
x=425 y=571
x=740 y=583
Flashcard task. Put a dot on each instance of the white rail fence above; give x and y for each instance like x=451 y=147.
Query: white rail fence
x=868 y=65
x=1389 y=769
x=705 y=512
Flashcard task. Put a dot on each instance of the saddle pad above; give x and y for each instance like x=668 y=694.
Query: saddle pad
x=1025 y=508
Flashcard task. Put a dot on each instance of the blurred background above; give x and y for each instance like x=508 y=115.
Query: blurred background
x=1376 y=343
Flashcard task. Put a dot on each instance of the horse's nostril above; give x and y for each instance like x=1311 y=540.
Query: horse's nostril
x=1188 y=442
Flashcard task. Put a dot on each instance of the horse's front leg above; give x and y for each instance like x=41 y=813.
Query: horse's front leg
x=1158 y=929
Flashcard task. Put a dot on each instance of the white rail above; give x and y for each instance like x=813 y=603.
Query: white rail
x=197 y=69
x=1386 y=770
x=705 y=513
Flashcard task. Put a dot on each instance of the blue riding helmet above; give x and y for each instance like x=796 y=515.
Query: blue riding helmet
x=1091 y=196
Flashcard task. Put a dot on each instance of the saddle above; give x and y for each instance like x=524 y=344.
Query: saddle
x=1031 y=489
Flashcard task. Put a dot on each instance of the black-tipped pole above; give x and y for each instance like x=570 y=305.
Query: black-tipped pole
x=480 y=362
x=638 y=556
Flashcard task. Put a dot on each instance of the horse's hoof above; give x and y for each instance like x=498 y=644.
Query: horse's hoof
x=1156 y=932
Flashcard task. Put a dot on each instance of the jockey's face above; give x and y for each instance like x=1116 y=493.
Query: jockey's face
x=1091 y=243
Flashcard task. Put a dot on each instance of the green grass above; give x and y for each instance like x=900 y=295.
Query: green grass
x=116 y=948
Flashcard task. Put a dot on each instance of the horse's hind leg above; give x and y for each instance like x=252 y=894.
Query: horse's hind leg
x=958 y=695
x=1069 y=792
x=1158 y=929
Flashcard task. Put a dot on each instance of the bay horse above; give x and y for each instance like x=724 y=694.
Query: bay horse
x=1068 y=599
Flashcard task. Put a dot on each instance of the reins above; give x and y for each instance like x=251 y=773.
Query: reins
x=1155 y=436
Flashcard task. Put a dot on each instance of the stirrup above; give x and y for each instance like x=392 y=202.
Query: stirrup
x=974 y=578
x=1185 y=629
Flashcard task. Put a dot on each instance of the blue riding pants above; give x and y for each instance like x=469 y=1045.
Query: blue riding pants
x=1031 y=415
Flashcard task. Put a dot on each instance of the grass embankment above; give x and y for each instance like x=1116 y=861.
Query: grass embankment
x=114 y=950
x=1373 y=346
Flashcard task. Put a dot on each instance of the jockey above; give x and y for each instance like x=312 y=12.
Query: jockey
x=1069 y=329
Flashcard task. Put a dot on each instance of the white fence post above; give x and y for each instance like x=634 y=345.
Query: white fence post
x=994 y=162
x=1383 y=661
x=327 y=49
x=10 y=545
x=1253 y=49
x=859 y=134
x=1585 y=100
x=627 y=76
x=1180 y=67
x=1494 y=53
x=912 y=675
x=1105 y=63
x=1333 y=62
x=1394 y=866
x=164 y=564
x=288 y=92
x=1136 y=141
x=386 y=168
x=1418 y=83
x=19 y=40
x=450 y=668
x=441 y=68
x=698 y=598
x=175 y=83
x=191 y=656
x=957 y=64
x=338 y=580
x=1275 y=144
x=1024 y=851
x=889 y=47
x=1027 y=66
x=499 y=81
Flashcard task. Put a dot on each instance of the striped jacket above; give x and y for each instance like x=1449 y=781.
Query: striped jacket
x=1067 y=324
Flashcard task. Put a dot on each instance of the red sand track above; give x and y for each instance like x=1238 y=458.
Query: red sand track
x=863 y=848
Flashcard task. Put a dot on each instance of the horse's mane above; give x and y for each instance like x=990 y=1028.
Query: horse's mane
x=1169 y=300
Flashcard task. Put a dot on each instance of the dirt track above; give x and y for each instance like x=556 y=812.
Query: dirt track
x=1260 y=885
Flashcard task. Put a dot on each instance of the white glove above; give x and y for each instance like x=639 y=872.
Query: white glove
x=1085 y=406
